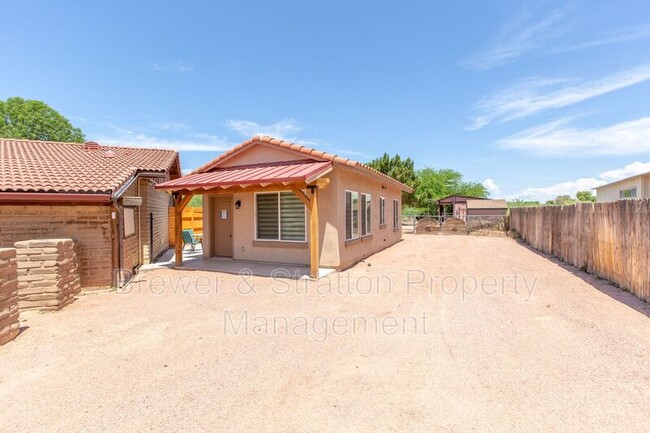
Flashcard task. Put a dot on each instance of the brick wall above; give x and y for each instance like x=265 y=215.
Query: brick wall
x=130 y=245
x=48 y=273
x=156 y=203
x=88 y=225
x=9 y=325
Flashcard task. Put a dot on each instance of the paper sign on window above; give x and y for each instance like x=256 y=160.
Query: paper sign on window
x=224 y=214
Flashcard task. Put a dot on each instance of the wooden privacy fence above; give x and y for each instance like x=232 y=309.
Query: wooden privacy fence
x=192 y=219
x=610 y=240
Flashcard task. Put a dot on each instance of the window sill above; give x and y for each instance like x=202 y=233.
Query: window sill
x=396 y=229
x=382 y=226
x=280 y=244
x=365 y=238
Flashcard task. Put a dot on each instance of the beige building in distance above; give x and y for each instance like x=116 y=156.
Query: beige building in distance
x=632 y=187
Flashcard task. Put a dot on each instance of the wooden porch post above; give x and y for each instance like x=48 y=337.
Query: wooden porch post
x=314 y=259
x=180 y=203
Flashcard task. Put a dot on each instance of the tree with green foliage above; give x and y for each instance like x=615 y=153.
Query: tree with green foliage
x=561 y=200
x=434 y=184
x=522 y=203
x=196 y=201
x=585 y=196
x=401 y=169
x=35 y=120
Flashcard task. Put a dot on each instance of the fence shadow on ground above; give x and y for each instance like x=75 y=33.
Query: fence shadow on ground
x=603 y=286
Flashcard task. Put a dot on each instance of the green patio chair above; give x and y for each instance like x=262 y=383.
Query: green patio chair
x=190 y=239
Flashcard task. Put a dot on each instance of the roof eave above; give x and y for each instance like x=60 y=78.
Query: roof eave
x=53 y=197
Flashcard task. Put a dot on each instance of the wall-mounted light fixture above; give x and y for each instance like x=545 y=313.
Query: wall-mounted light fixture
x=237 y=204
x=383 y=187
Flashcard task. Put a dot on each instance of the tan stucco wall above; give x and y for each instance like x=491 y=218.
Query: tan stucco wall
x=612 y=192
x=381 y=237
x=262 y=153
x=245 y=246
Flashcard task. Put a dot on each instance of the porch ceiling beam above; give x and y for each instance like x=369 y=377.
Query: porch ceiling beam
x=257 y=188
x=302 y=196
x=183 y=203
x=319 y=175
x=321 y=183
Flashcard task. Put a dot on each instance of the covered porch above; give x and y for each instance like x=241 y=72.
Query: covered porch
x=195 y=261
x=302 y=178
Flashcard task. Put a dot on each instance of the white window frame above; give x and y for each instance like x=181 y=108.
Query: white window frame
x=382 y=211
x=129 y=215
x=364 y=215
x=395 y=213
x=279 y=219
x=345 y=200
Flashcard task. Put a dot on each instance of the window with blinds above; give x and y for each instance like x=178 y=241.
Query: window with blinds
x=280 y=216
x=382 y=211
x=366 y=214
x=351 y=215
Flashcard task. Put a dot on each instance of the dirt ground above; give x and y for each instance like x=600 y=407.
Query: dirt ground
x=436 y=334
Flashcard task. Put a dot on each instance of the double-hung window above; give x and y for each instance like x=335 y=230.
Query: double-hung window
x=382 y=211
x=351 y=215
x=395 y=214
x=366 y=214
x=280 y=216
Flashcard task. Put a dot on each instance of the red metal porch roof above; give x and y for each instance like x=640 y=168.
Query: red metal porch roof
x=248 y=175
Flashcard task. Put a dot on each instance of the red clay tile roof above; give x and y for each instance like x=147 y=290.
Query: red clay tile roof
x=305 y=151
x=43 y=166
x=253 y=174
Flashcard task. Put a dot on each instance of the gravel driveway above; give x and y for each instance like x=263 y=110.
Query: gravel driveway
x=436 y=334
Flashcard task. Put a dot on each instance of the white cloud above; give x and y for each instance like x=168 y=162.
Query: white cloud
x=291 y=130
x=561 y=139
x=533 y=95
x=178 y=67
x=285 y=129
x=616 y=37
x=171 y=125
x=491 y=186
x=197 y=142
x=629 y=170
x=543 y=194
x=519 y=37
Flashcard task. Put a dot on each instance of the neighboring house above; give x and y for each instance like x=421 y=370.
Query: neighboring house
x=632 y=187
x=455 y=205
x=271 y=200
x=101 y=196
x=487 y=207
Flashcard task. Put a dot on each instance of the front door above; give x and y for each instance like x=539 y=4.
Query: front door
x=222 y=233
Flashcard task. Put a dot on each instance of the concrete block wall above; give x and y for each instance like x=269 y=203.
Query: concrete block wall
x=48 y=273
x=9 y=325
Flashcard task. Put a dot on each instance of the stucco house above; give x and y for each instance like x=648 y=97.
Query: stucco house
x=271 y=200
x=102 y=197
x=632 y=187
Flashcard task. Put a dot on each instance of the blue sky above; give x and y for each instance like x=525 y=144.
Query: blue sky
x=534 y=98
